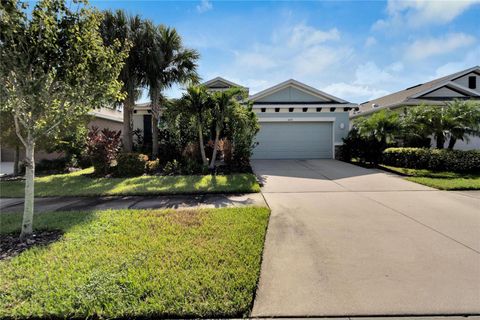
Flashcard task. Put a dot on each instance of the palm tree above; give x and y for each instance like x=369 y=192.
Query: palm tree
x=224 y=102
x=383 y=126
x=198 y=102
x=455 y=120
x=166 y=62
x=130 y=31
x=463 y=120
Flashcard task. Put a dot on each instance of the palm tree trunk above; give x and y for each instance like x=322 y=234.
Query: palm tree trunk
x=27 y=222
x=202 y=147
x=154 y=136
x=16 y=160
x=451 y=143
x=215 y=148
x=440 y=139
x=127 y=137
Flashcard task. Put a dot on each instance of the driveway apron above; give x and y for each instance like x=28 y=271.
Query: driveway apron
x=344 y=240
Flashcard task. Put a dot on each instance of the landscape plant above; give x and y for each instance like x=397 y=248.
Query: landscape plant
x=102 y=149
x=53 y=65
x=224 y=104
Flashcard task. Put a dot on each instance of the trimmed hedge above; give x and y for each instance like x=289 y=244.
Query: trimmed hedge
x=131 y=164
x=433 y=159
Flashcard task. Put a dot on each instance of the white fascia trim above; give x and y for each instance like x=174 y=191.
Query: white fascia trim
x=102 y=116
x=220 y=79
x=296 y=119
x=306 y=105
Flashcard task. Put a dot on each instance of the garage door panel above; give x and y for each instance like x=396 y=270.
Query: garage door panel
x=290 y=140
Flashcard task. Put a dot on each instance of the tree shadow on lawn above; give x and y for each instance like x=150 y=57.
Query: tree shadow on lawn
x=48 y=228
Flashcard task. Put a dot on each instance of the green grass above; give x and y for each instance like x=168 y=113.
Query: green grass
x=441 y=180
x=79 y=184
x=137 y=263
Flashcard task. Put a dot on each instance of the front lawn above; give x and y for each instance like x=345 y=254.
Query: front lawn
x=440 y=180
x=79 y=184
x=136 y=263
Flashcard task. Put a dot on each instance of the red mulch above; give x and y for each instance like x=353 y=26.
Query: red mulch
x=10 y=244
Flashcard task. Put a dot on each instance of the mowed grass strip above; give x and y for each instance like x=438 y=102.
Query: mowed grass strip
x=443 y=180
x=80 y=184
x=137 y=263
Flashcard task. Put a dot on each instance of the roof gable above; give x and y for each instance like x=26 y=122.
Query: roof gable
x=292 y=91
x=220 y=83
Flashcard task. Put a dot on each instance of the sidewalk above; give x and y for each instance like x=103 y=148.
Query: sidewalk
x=135 y=202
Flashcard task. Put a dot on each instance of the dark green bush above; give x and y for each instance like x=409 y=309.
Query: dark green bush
x=53 y=165
x=433 y=159
x=131 y=164
x=366 y=149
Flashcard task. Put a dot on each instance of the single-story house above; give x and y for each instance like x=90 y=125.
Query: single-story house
x=297 y=121
x=101 y=118
x=464 y=84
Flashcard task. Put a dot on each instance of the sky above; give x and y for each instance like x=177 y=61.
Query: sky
x=355 y=50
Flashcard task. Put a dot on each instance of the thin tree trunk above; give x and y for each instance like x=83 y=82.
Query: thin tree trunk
x=440 y=139
x=451 y=143
x=16 y=160
x=202 y=147
x=27 y=222
x=215 y=148
x=154 y=136
x=127 y=134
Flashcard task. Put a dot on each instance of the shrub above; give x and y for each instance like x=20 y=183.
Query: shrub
x=54 y=165
x=131 y=164
x=102 y=149
x=366 y=149
x=433 y=159
x=171 y=168
x=153 y=166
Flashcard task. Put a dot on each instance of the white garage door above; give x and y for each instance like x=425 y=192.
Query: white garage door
x=294 y=140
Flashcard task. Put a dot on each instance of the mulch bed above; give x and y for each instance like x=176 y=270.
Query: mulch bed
x=10 y=244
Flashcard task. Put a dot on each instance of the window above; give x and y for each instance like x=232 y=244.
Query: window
x=319 y=109
x=290 y=109
x=263 y=109
x=305 y=109
x=147 y=128
x=277 y=109
x=472 y=82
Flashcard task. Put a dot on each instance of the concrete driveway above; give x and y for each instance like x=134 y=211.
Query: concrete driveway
x=343 y=240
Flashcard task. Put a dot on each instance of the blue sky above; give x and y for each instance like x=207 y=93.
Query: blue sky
x=356 y=50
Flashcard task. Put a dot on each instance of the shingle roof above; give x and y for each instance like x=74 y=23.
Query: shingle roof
x=404 y=95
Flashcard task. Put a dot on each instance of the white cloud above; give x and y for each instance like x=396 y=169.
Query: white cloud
x=471 y=59
x=416 y=13
x=305 y=36
x=356 y=92
x=370 y=41
x=204 y=6
x=294 y=51
x=425 y=48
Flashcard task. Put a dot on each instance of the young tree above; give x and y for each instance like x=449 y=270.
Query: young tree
x=166 y=62
x=130 y=32
x=53 y=65
x=224 y=103
x=197 y=102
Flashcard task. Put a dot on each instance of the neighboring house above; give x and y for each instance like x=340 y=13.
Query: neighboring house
x=460 y=85
x=102 y=118
x=297 y=121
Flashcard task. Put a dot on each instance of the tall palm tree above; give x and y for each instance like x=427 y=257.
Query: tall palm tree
x=130 y=31
x=198 y=102
x=463 y=120
x=224 y=102
x=167 y=62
